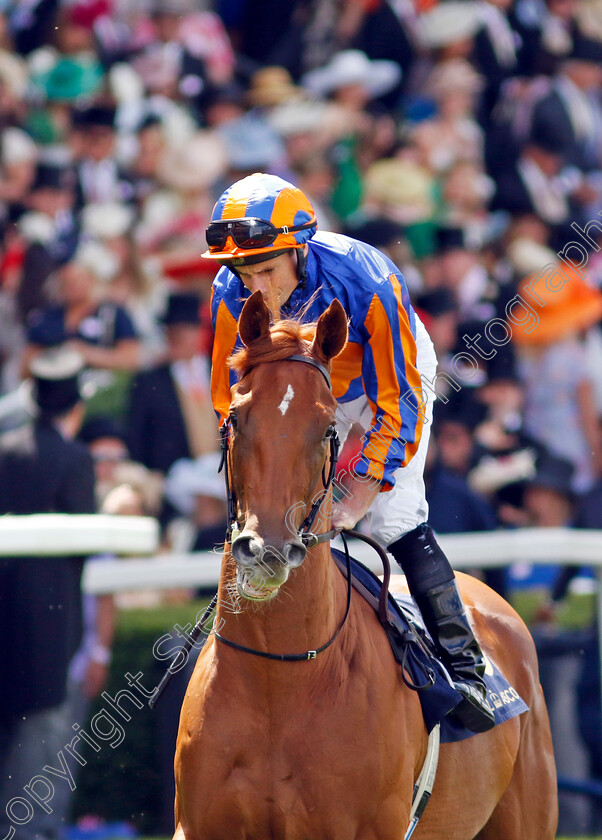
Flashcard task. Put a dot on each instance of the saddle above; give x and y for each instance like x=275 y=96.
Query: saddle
x=421 y=668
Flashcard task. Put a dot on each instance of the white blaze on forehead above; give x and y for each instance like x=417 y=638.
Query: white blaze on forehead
x=286 y=399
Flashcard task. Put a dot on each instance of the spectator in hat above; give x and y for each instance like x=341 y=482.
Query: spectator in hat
x=18 y=159
x=506 y=454
x=223 y=103
x=389 y=237
x=197 y=493
x=495 y=53
x=453 y=426
x=93 y=141
x=447 y=30
x=452 y=134
x=403 y=190
x=560 y=411
x=106 y=442
x=454 y=507
x=464 y=273
x=142 y=170
x=548 y=499
x=63 y=77
x=466 y=191
x=49 y=232
x=42 y=470
x=571 y=111
x=530 y=184
x=83 y=317
x=437 y=308
x=170 y=414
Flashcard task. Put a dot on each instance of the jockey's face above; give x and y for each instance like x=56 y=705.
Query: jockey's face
x=276 y=279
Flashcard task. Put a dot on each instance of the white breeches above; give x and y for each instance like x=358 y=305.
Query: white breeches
x=397 y=511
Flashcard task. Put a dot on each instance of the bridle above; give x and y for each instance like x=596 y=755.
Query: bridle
x=310 y=540
x=304 y=532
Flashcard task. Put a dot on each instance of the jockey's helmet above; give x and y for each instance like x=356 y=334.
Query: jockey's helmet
x=259 y=218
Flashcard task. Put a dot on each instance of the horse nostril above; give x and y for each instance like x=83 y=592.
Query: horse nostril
x=295 y=553
x=246 y=550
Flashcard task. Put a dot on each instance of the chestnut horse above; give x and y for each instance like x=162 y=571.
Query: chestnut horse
x=328 y=746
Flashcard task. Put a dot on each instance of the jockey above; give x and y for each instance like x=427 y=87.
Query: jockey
x=264 y=234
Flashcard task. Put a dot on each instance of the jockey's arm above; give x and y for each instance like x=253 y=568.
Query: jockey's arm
x=225 y=331
x=391 y=384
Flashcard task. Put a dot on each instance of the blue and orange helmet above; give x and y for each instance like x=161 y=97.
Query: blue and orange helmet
x=260 y=214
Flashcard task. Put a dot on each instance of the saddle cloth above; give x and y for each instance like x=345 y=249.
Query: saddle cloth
x=438 y=698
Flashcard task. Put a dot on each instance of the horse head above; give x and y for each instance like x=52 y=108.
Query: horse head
x=282 y=415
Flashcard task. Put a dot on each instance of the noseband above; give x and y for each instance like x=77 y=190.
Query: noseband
x=305 y=534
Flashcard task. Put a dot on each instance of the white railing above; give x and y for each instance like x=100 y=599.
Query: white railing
x=62 y=534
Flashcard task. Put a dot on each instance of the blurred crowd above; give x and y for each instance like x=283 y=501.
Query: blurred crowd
x=461 y=137
x=464 y=139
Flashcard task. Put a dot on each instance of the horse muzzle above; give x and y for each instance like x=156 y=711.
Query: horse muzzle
x=261 y=569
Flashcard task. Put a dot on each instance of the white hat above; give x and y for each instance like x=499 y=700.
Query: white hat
x=450 y=22
x=17 y=146
x=188 y=478
x=528 y=256
x=193 y=164
x=106 y=219
x=98 y=259
x=297 y=117
x=350 y=67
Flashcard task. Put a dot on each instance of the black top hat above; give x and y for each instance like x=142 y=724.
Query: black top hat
x=437 y=302
x=231 y=92
x=378 y=231
x=101 y=427
x=553 y=473
x=502 y=366
x=451 y=239
x=462 y=409
x=55 y=375
x=182 y=309
x=53 y=176
x=95 y=116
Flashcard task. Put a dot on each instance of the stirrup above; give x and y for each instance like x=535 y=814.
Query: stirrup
x=473 y=711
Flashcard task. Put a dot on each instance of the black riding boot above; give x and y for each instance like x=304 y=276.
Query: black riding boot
x=433 y=586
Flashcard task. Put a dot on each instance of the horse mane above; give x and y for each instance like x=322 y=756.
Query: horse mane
x=285 y=338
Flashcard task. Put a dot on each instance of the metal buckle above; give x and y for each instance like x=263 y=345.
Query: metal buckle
x=311 y=654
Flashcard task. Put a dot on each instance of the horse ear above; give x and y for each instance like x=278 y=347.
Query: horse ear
x=254 y=321
x=331 y=331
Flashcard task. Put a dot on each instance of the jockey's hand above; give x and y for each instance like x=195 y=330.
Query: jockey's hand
x=357 y=494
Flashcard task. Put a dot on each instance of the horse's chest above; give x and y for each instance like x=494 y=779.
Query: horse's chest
x=312 y=771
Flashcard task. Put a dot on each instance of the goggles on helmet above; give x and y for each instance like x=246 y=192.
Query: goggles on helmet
x=247 y=233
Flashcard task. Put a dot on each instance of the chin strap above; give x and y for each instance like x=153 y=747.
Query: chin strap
x=301 y=268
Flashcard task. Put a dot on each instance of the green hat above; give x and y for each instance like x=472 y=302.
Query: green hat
x=69 y=79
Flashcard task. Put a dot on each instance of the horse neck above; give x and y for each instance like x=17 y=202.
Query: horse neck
x=303 y=616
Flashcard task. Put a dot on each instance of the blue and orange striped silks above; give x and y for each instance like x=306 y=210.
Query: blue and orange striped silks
x=379 y=359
